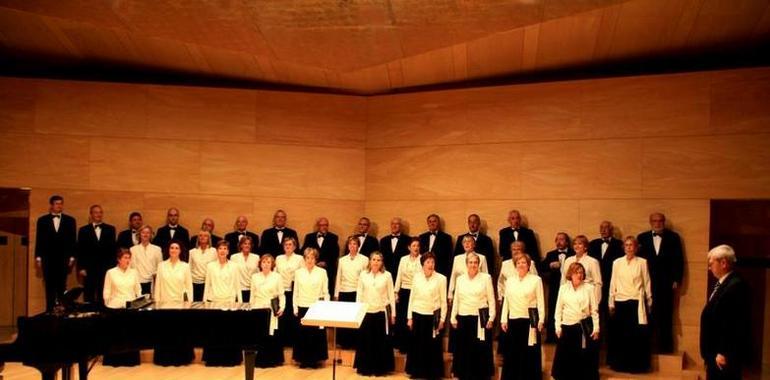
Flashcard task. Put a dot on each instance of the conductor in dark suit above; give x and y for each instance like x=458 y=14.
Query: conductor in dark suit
x=234 y=238
x=663 y=250
x=55 y=242
x=438 y=242
x=328 y=246
x=367 y=242
x=171 y=231
x=129 y=238
x=96 y=249
x=484 y=243
x=517 y=232
x=206 y=225
x=605 y=250
x=394 y=246
x=272 y=238
x=725 y=331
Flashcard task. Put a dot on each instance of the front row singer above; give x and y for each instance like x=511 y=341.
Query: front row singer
x=267 y=296
x=310 y=285
x=426 y=314
x=374 y=352
x=223 y=287
x=121 y=285
x=173 y=286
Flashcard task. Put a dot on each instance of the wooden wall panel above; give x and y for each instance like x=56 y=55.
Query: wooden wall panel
x=38 y=160
x=17 y=104
x=739 y=101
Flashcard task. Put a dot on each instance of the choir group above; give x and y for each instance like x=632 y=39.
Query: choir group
x=601 y=288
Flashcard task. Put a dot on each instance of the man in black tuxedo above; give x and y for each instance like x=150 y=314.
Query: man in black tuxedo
x=172 y=230
x=725 y=320
x=517 y=232
x=367 y=243
x=129 y=238
x=96 y=249
x=438 y=242
x=484 y=244
x=55 y=241
x=663 y=250
x=272 y=238
x=206 y=225
x=551 y=270
x=328 y=246
x=605 y=249
x=233 y=238
x=394 y=246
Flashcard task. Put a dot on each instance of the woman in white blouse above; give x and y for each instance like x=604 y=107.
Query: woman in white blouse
x=286 y=265
x=349 y=269
x=374 y=353
x=310 y=285
x=508 y=270
x=121 y=284
x=247 y=263
x=200 y=257
x=426 y=315
x=173 y=287
x=145 y=258
x=576 y=322
x=459 y=266
x=267 y=296
x=222 y=286
x=593 y=273
x=473 y=315
x=521 y=320
x=630 y=301
x=407 y=267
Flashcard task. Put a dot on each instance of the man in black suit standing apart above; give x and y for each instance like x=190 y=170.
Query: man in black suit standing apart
x=484 y=245
x=517 y=232
x=552 y=272
x=129 y=238
x=172 y=230
x=725 y=331
x=394 y=246
x=96 y=250
x=328 y=246
x=367 y=243
x=55 y=241
x=438 y=242
x=605 y=250
x=272 y=238
x=234 y=238
x=206 y=225
x=663 y=250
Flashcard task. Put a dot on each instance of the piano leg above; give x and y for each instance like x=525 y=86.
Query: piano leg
x=249 y=358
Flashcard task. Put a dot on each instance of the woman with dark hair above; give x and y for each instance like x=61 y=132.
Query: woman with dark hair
x=407 y=267
x=173 y=287
x=222 y=288
x=577 y=328
x=374 y=352
x=349 y=269
x=121 y=285
x=247 y=263
x=426 y=314
x=310 y=285
x=267 y=295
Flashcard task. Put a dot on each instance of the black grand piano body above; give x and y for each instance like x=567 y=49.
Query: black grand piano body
x=54 y=341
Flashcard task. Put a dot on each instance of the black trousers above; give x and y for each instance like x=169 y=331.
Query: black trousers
x=662 y=318
x=198 y=292
x=93 y=285
x=347 y=338
x=55 y=280
x=146 y=287
x=728 y=373
x=401 y=333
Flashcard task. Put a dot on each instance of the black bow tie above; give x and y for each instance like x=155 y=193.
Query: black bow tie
x=394 y=236
x=434 y=233
x=606 y=240
x=321 y=235
x=656 y=234
x=172 y=228
x=563 y=251
x=99 y=226
x=515 y=229
x=56 y=215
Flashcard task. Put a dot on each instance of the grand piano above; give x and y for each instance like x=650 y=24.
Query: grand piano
x=58 y=340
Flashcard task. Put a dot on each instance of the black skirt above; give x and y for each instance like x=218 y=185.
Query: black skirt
x=310 y=347
x=629 y=342
x=521 y=361
x=246 y=296
x=173 y=354
x=123 y=359
x=347 y=338
x=288 y=324
x=571 y=361
x=198 y=292
x=374 y=354
x=270 y=350
x=424 y=359
x=222 y=356
x=472 y=357
x=401 y=334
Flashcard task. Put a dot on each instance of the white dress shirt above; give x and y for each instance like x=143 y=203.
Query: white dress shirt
x=120 y=286
x=145 y=259
x=407 y=267
x=507 y=269
x=174 y=281
x=264 y=288
x=593 y=272
x=286 y=266
x=247 y=266
x=521 y=294
x=656 y=240
x=428 y=295
x=56 y=221
x=459 y=268
x=431 y=241
x=574 y=305
x=222 y=282
x=349 y=269
x=375 y=289
x=98 y=231
x=199 y=261
x=309 y=287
